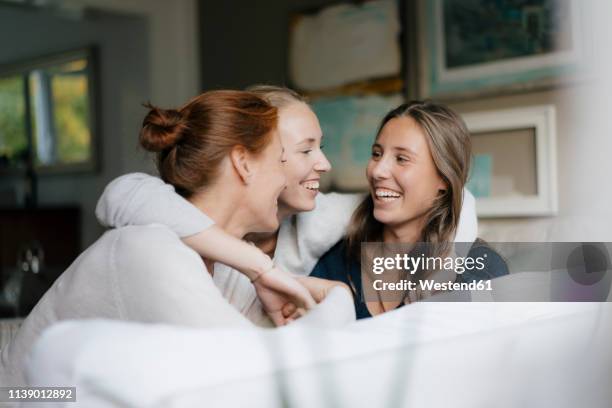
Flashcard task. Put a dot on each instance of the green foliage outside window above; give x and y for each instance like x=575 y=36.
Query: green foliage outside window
x=13 y=137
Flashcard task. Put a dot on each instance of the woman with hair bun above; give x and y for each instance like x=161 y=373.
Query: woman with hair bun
x=221 y=151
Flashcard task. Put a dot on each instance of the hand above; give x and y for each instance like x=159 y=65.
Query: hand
x=318 y=288
x=276 y=290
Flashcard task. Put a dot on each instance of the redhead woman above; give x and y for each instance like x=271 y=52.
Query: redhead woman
x=417 y=171
x=222 y=152
x=310 y=222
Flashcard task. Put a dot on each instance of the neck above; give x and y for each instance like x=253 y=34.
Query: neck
x=228 y=213
x=266 y=241
x=284 y=212
x=411 y=231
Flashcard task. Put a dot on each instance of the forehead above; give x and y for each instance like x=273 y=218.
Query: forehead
x=297 y=122
x=403 y=132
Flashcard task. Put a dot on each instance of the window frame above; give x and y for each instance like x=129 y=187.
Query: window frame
x=24 y=69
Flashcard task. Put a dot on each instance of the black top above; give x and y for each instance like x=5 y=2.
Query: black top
x=335 y=265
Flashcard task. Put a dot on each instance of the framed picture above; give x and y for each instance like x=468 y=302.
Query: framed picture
x=477 y=47
x=514 y=169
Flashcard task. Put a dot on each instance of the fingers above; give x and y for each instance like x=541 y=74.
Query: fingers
x=304 y=298
x=289 y=309
x=289 y=285
x=277 y=318
x=298 y=313
x=280 y=319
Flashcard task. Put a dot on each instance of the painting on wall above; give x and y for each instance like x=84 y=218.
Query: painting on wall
x=480 y=47
x=513 y=170
x=347 y=48
x=349 y=125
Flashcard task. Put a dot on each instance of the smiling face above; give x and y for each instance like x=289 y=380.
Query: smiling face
x=403 y=178
x=265 y=186
x=305 y=162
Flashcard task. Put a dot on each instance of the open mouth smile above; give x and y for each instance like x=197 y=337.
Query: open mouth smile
x=386 y=195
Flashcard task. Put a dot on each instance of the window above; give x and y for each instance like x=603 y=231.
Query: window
x=13 y=135
x=47 y=114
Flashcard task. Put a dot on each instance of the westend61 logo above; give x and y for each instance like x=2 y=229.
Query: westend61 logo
x=479 y=271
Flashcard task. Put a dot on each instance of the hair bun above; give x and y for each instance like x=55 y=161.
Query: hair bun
x=161 y=129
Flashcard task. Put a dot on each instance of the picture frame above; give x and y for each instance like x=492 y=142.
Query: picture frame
x=519 y=172
x=486 y=59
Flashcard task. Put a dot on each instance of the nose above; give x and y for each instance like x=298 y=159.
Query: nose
x=380 y=169
x=283 y=156
x=322 y=165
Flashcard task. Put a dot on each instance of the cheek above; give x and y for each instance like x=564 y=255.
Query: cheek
x=292 y=170
x=306 y=167
x=420 y=186
x=369 y=169
x=274 y=179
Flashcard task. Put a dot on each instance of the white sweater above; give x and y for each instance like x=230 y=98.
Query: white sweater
x=303 y=238
x=136 y=273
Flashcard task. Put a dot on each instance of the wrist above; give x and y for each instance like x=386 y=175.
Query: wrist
x=263 y=265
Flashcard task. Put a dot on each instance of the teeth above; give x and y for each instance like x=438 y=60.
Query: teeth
x=386 y=193
x=311 y=185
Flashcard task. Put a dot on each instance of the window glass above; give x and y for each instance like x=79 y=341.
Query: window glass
x=13 y=136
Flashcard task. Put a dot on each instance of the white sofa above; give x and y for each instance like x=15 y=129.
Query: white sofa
x=423 y=355
x=8 y=328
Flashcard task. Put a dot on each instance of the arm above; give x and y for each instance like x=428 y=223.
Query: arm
x=140 y=199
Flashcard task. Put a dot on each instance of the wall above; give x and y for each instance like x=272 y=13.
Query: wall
x=244 y=43
x=581 y=170
x=148 y=52
x=584 y=144
x=123 y=79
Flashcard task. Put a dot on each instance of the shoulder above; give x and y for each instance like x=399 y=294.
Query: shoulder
x=494 y=264
x=333 y=262
x=318 y=230
x=144 y=238
x=149 y=248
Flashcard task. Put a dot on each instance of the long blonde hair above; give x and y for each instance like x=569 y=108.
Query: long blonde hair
x=450 y=145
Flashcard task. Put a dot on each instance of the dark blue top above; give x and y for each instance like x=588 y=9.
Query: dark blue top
x=335 y=265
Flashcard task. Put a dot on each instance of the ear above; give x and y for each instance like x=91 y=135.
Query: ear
x=239 y=157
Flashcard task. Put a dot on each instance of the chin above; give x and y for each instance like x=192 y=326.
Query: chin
x=273 y=226
x=308 y=205
x=384 y=217
x=302 y=205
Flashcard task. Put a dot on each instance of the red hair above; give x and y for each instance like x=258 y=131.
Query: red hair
x=192 y=141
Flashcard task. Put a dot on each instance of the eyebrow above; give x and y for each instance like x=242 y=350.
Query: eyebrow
x=308 y=140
